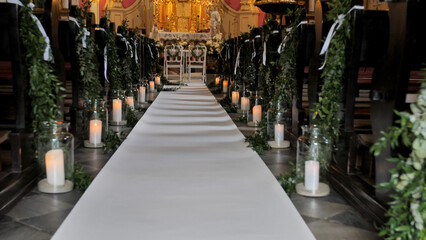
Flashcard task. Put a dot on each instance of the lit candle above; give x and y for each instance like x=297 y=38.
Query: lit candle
x=245 y=104
x=157 y=80
x=311 y=175
x=279 y=133
x=151 y=86
x=116 y=110
x=142 y=94
x=55 y=171
x=257 y=114
x=225 y=86
x=235 y=97
x=217 y=80
x=130 y=102
x=95 y=131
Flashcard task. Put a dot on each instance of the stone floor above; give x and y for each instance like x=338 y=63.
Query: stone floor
x=38 y=215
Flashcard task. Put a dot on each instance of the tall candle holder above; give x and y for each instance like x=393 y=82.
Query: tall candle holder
x=118 y=108
x=96 y=123
x=256 y=110
x=313 y=154
x=55 y=152
x=276 y=126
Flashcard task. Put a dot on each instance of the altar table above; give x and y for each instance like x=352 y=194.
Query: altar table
x=165 y=36
x=184 y=172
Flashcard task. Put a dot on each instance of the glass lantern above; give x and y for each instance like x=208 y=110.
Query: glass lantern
x=276 y=122
x=235 y=95
x=255 y=115
x=217 y=81
x=118 y=108
x=96 y=124
x=225 y=86
x=157 y=81
x=131 y=99
x=313 y=155
x=244 y=101
x=55 y=149
x=142 y=89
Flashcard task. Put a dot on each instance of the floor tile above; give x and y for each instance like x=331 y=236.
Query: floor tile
x=324 y=230
x=37 y=205
x=314 y=207
x=48 y=222
x=352 y=218
x=17 y=231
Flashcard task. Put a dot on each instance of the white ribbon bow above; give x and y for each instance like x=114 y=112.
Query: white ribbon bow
x=237 y=62
x=47 y=50
x=253 y=55
x=72 y=19
x=128 y=46
x=336 y=25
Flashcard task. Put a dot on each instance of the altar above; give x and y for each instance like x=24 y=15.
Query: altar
x=187 y=36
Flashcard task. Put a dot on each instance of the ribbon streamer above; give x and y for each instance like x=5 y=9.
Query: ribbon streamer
x=105 y=63
x=254 y=51
x=136 y=51
x=336 y=25
x=289 y=31
x=149 y=47
x=128 y=46
x=72 y=19
x=85 y=35
x=264 y=54
x=237 y=62
x=47 y=49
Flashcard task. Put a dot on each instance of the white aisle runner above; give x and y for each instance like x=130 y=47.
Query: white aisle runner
x=184 y=172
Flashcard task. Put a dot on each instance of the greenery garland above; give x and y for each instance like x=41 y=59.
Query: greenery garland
x=259 y=140
x=175 y=49
x=285 y=87
x=44 y=86
x=114 y=65
x=407 y=212
x=200 y=50
x=326 y=110
x=88 y=69
x=126 y=61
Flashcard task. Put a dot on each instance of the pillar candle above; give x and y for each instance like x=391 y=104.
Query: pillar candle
x=279 y=133
x=130 y=102
x=55 y=172
x=95 y=131
x=217 y=80
x=235 y=97
x=257 y=114
x=142 y=94
x=151 y=86
x=311 y=175
x=116 y=110
x=245 y=103
x=225 y=86
x=157 y=80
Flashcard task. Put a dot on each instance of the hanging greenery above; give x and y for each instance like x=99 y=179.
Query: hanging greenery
x=126 y=61
x=89 y=75
x=407 y=212
x=80 y=178
x=114 y=65
x=326 y=110
x=285 y=88
x=44 y=87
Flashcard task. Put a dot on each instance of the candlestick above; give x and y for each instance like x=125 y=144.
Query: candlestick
x=311 y=175
x=217 y=80
x=55 y=173
x=142 y=94
x=130 y=102
x=151 y=86
x=225 y=86
x=95 y=131
x=279 y=133
x=157 y=80
x=257 y=114
x=235 y=97
x=245 y=104
x=116 y=110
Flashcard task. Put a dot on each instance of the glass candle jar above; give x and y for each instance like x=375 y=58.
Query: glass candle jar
x=255 y=115
x=96 y=124
x=276 y=129
x=142 y=89
x=55 y=149
x=118 y=108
